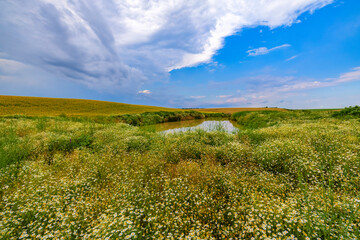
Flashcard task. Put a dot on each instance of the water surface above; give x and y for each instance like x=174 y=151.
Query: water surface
x=193 y=125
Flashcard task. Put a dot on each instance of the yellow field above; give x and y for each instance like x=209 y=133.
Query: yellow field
x=38 y=106
x=234 y=110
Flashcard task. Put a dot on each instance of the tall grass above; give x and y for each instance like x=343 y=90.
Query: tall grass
x=296 y=177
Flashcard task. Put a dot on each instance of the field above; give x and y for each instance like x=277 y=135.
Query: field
x=36 y=106
x=285 y=175
x=234 y=110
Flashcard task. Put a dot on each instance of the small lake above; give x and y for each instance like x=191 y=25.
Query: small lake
x=193 y=125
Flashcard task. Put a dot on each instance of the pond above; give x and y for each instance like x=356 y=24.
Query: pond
x=193 y=125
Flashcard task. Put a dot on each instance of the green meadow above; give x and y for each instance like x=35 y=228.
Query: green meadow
x=283 y=175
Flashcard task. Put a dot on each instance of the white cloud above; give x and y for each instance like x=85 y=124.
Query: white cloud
x=144 y=92
x=224 y=96
x=8 y=66
x=197 y=97
x=265 y=50
x=271 y=90
x=237 y=100
x=291 y=58
x=303 y=86
x=348 y=76
x=121 y=44
x=298 y=85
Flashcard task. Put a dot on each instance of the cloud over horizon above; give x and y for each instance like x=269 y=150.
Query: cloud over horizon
x=271 y=88
x=120 y=45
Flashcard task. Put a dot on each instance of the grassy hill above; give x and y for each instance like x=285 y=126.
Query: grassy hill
x=38 y=106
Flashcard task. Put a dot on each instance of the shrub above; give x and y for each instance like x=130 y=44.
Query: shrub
x=66 y=143
x=348 y=112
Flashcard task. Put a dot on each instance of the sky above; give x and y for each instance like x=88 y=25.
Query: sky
x=297 y=54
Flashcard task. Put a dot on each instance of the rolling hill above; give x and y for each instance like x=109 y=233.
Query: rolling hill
x=39 y=106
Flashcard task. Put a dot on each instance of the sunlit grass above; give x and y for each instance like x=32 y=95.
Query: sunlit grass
x=35 y=106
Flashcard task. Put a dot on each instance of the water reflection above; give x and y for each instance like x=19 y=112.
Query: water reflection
x=193 y=125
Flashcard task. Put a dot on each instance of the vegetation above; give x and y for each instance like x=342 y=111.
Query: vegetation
x=37 y=106
x=348 y=112
x=294 y=177
x=235 y=110
x=150 y=118
x=260 y=119
x=142 y=119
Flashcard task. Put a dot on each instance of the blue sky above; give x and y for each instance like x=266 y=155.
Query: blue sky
x=234 y=53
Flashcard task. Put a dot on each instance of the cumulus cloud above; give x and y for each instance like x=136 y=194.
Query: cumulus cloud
x=265 y=50
x=122 y=44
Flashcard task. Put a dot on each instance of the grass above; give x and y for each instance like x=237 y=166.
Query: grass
x=294 y=177
x=36 y=106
